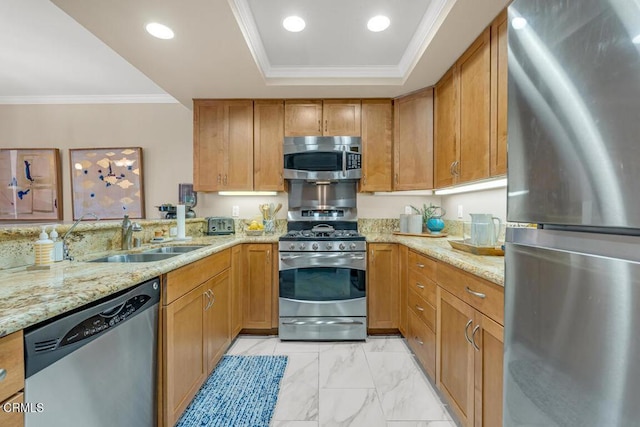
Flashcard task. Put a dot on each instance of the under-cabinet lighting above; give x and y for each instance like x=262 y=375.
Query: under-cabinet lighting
x=404 y=193
x=247 y=193
x=486 y=185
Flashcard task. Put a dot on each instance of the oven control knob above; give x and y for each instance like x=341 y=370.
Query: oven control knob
x=352 y=246
x=314 y=246
x=303 y=246
x=341 y=246
x=329 y=246
x=292 y=246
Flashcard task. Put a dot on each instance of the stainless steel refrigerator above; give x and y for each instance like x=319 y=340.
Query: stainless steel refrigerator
x=572 y=286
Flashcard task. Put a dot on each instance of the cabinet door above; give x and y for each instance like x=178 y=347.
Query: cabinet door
x=185 y=364
x=498 y=164
x=475 y=100
x=12 y=418
x=403 y=262
x=341 y=117
x=383 y=286
x=268 y=136
x=377 y=145
x=236 y=290
x=302 y=117
x=216 y=318
x=413 y=141
x=445 y=150
x=238 y=174
x=422 y=341
x=257 y=295
x=208 y=145
x=489 y=338
x=455 y=355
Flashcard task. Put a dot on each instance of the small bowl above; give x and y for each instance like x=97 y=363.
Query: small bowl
x=254 y=232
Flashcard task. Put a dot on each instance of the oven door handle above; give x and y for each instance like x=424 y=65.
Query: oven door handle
x=322 y=322
x=325 y=256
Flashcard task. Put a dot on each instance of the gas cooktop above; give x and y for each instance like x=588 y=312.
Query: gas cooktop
x=348 y=235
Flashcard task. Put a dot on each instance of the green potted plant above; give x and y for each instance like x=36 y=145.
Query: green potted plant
x=431 y=217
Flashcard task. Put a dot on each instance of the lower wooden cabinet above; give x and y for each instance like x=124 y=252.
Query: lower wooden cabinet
x=422 y=341
x=196 y=330
x=12 y=384
x=185 y=360
x=469 y=362
x=217 y=334
x=258 y=273
x=383 y=286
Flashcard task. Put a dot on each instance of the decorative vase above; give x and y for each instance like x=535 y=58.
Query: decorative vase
x=435 y=224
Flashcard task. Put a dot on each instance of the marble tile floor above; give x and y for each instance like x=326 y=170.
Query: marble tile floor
x=376 y=383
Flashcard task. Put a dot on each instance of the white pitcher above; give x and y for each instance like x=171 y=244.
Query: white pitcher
x=484 y=229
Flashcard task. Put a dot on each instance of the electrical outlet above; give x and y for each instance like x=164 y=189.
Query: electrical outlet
x=235 y=211
x=407 y=210
x=460 y=215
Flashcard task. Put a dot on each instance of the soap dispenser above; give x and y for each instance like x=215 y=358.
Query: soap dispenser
x=58 y=250
x=44 y=248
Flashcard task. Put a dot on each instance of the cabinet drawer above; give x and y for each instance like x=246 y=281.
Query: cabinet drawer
x=423 y=286
x=422 y=341
x=12 y=362
x=425 y=311
x=422 y=264
x=184 y=279
x=9 y=417
x=482 y=295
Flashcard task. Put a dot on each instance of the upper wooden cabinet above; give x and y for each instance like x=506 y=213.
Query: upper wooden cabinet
x=413 y=141
x=222 y=145
x=377 y=145
x=329 y=117
x=498 y=163
x=463 y=117
x=268 y=137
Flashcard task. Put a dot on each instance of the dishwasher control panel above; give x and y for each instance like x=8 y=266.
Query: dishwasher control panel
x=105 y=320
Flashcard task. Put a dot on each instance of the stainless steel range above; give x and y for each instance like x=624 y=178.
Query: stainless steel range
x=323 y=262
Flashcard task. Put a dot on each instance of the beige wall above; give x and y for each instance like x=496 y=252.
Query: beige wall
x=164 y=131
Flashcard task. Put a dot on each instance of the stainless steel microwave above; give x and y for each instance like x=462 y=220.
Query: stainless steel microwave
x=314 y=158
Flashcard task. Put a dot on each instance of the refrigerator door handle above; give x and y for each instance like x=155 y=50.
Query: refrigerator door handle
x=466 y=335
x=474 y=293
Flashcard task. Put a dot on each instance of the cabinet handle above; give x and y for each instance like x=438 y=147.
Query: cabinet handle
x=420 y=265
x=466 y=335
x=419 y=342
x=419 y=308
x=451 y=168
x=225 y=179
x=364 y=179
x=3 y=374
x=206 y=294
x=473 y=338
x=456 y=169
x=474 y=293
x=319 y=126
x=268 y=256
x=219 y=178
x=419 y=285
x=325 y=126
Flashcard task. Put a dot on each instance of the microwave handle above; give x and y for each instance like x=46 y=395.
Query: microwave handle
x=344 y=163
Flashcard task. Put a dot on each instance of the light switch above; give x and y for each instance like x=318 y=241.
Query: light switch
x=235 y=211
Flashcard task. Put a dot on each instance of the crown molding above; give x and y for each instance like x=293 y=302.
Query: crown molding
x=89 y=99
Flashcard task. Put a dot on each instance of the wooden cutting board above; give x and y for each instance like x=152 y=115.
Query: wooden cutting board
x=420 y=234
x=476 y=250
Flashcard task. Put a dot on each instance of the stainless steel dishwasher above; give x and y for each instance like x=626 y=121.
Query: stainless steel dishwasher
x=96 y=365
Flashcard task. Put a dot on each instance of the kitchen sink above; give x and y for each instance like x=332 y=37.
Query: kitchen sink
x=143 y=257
x=173 y=249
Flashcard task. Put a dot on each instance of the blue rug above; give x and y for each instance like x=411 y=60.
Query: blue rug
x=241 y=391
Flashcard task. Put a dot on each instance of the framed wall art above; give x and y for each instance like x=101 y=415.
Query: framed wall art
x=107 y=182
x=30 y=185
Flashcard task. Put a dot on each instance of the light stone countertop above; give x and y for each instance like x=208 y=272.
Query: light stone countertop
x=29 y=297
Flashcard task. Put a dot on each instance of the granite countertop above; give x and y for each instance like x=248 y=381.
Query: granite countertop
x=490 y=268
x=29 y=297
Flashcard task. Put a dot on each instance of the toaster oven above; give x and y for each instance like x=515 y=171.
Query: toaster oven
x=219 y=225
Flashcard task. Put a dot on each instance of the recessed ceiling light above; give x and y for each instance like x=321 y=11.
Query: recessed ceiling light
x=160 y=31
x=378 y=23
x=636 y=39
x=518 y=23
x=294 y=24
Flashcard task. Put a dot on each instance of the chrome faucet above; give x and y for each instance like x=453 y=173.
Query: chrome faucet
x=65 y=247
x=127 y=230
